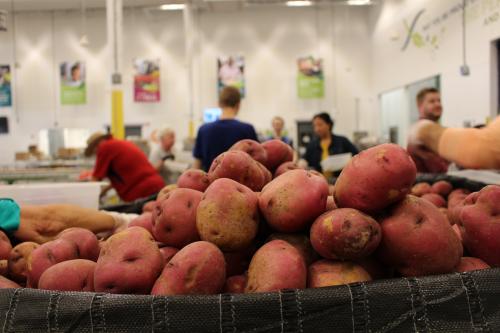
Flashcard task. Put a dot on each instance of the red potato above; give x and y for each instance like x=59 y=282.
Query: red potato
x=480 y=219
x=4 y=267
x=468 y=264
x=301 y=243
x=421 y=189
x=285 y=204
x=47 y=255
x=326 y=273
x=276 y=265
x=436 y=199
x=442 y=188
x=174 y=219
x=456 y=197
x=168 y=252
x=145 y=220
x=194 y=179
x=7 y=284
x=148 y=206
x=287 y=166
x=18 y=260
x=164 y=191
x=240 y=167
x=85 y=240
x=235 y=284
x=278 y=153
x=268 y=176
x=198 y=268
x=129 y=263
x=228 y=215
x=417 y=240
x=252 y=148
x=346 y=234
x=5 y=246
x=71 y=275
x=375 y=179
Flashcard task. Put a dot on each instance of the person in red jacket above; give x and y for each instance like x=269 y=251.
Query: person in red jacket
x=125 y=165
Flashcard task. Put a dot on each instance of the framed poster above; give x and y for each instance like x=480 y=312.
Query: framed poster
x=231 y=72
x=5 y=86
x=73 y=87
x=310 y=79
x=146 y=80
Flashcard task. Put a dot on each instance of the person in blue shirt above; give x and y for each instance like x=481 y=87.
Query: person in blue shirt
x=326 y=143
x=215 y=138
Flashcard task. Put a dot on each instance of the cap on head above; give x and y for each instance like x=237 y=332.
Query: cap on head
x=93 y=141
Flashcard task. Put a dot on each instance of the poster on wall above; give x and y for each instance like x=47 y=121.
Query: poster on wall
x=73 y=87
x=146 y=80
x=5 y=86
x=230 y=72
x=310 y=79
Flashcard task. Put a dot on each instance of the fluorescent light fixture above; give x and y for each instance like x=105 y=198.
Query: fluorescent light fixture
x=358 y=2
x=299 y=3
x=173 y=6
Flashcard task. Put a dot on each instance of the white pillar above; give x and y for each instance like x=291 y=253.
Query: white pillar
x=190 y=41
x=114 y=13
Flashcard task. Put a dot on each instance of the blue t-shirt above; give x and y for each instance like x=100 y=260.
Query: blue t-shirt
x=215 y=138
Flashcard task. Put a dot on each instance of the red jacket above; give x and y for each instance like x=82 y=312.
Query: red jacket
x=128 y=169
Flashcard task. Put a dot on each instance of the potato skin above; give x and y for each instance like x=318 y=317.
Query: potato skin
x=228 y=215
x=278 y=153
x=479 y=219
x=326 y=273
x=375 y=179
x=287 y=207
x=276 y=265
x=252 y=148
x=284 y=167
x=468 y=264
x=129 y=263
x=198 y=268
x=85 y=241
x=71 y=275
x=436 y=199
x=417 y=239
x=7 y=284
x=194 y=179
x=442 y=188
x=420 y=189
x=235 y=284
x=346 y=234
x=47 y=255
x=5 y=246
x=145 y=220
x=174 y=219
x=240 y=167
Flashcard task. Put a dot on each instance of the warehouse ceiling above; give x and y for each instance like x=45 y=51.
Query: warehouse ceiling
x=38 y=5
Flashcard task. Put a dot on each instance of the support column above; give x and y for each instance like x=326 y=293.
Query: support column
x=114 y=13
x=189 y=37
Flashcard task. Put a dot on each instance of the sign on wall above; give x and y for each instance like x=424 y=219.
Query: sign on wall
x=146 y=80
x=73 y=87
x=310 y=79
x=231 y=72
x=5 y=86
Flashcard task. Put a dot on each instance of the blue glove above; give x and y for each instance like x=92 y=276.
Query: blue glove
x=9 y=215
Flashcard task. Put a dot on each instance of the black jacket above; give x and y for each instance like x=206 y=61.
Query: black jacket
x=339 y=145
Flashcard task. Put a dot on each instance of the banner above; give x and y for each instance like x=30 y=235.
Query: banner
x=310 y=79
x=73 y=87
x=5 y=86
x=230 y=72
x=146 y=80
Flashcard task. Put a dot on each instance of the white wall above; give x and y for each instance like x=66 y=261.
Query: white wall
x=270 y=38
x=464 y=97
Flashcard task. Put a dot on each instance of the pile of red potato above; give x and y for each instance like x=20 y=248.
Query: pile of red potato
x=238 y=229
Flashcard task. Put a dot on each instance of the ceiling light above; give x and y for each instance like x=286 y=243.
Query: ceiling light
x=299 y=3
x=359 y=2
x=173 y=6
